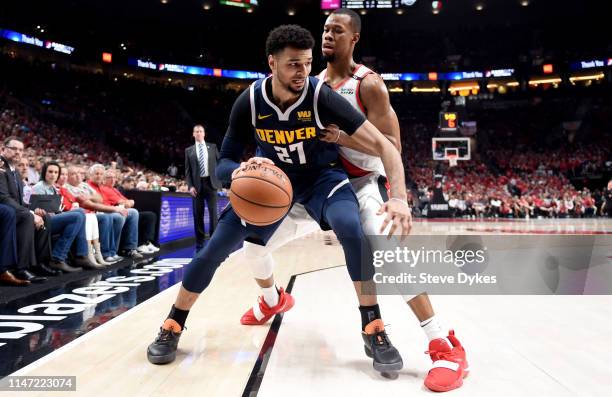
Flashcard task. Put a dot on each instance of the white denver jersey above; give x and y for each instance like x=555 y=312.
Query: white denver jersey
x=356 y=163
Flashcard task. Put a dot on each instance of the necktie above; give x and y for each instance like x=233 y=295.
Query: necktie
x=16 y=176
x=202 y=159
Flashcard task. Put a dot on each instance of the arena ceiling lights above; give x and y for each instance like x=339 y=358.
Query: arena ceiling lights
x=586 y=77
x=35 y=41
x=554 y=80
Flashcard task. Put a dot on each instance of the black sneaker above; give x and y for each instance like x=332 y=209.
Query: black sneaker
x=378 y=347
x=163 y=349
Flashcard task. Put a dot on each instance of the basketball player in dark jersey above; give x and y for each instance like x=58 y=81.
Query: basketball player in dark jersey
x=285 y=114
x=367 y=92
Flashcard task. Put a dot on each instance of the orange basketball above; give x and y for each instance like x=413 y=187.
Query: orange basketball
x=261 y=194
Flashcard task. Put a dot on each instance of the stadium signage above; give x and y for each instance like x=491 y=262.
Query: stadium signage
x=30 y=318
x=499 y=73
x=472 y=75
x=146 y=64
x=59 y=47
x=195 y=70
x=173 y=68
x=35 y=41
x=404 y=76
x=592 y=64
x=31 y=40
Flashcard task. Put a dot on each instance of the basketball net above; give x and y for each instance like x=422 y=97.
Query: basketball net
x=452 y=160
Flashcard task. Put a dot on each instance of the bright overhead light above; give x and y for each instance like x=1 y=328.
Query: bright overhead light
x=206 y=6
x=399 y=11
x=363 y=12
x=545 y=81
x=598 y=76
x=249 y=10
x=417 y=89
x=291 y=12
x=164 y=1
x=479 y=7
x=524 y=3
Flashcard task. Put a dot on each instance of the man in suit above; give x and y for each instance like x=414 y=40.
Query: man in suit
x=8 y=248
x=200 y=164
x=33 y=239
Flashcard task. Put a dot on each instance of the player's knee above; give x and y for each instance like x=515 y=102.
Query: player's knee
x=199 y=273
x=262 y=267
x=260 y=260
x=255 y=251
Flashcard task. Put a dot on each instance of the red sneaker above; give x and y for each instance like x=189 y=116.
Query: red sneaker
x=285 y=303
x=449 y=364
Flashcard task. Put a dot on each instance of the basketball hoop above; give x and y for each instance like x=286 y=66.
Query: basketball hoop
x=452 y=159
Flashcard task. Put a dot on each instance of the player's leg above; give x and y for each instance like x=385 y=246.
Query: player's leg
x=443 y=345
x=229 y=233
x=274 y=300
x=341 y=213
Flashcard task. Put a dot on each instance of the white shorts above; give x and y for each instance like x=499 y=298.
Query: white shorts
x=298 y=223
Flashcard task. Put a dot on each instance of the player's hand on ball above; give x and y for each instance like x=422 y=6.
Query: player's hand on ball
x=252 y=160
x=331 y=134
x=398 y=215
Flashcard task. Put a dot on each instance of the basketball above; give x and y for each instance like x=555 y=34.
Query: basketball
x=261 y=194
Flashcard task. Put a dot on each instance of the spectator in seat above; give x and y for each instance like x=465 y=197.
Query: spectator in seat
x=588 y=204
x=34 y=165
x=147 y=220
x=70 y=225
x=110 y=227
x=128 y=234
x=22 y=168
x=93 y=228
x=495 y=204
x=606 y=207
x=128 y=183
x=33 y=239
x=8 y=248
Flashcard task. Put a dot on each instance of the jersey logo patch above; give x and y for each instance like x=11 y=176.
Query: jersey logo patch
x=260 y=117
x=305 y=115
x=346 y=91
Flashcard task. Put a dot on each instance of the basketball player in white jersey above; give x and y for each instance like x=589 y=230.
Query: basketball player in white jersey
x=366 y=91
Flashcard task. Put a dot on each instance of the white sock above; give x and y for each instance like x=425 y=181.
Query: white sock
x=270 y=295
x=432 y=329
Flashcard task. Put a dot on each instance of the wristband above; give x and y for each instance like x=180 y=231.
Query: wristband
x=338 y=137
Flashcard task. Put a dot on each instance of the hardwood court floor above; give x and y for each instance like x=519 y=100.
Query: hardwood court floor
x=525 y=345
